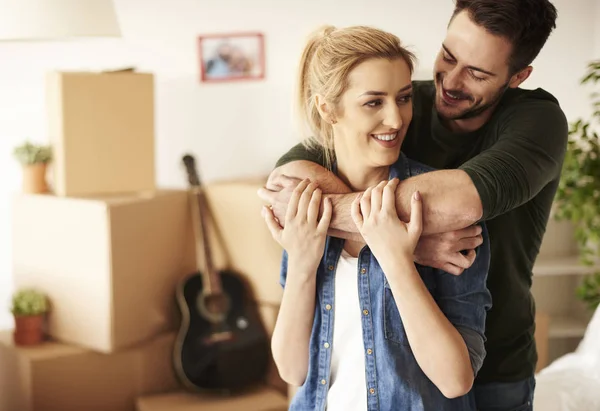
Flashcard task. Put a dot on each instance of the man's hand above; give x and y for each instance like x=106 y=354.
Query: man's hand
x=277 y=193
x=443 y=251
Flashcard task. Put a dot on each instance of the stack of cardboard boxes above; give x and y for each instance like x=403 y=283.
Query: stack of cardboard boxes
x=108 y=247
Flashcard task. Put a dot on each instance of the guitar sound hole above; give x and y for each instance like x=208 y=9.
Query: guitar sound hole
x=215 y=304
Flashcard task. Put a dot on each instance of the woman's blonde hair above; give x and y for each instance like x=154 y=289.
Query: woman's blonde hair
x=327 y=60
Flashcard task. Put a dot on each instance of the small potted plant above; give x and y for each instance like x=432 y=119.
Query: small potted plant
x=29 y=307
x=34 y=159
x=578 y=194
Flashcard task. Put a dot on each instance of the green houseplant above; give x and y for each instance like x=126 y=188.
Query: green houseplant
x=29 y=307
x=578 y=194
x=34 y=159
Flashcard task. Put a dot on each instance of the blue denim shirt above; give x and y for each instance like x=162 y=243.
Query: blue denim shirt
x=394 y=379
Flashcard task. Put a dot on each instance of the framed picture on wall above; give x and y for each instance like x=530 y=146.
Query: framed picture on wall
x=228 y=57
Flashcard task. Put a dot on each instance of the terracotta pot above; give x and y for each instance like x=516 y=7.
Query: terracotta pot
x=29 y=329
x=34 y=178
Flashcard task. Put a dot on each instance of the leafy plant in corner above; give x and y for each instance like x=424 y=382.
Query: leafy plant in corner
x=29 y=153
x=578 y=194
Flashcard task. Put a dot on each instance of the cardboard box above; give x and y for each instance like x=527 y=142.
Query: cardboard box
x=241 y=239
x=101 y=128
x=58 y=377
x=110 y=265
x=260 y=400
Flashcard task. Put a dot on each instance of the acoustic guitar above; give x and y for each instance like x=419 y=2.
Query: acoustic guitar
x=221 y=345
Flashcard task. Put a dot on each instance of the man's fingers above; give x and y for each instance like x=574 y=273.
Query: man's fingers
x=288 y=182
x=463 y=260
x=452 y=269
x=470 y=243
x=272 y=224
x=267 y=195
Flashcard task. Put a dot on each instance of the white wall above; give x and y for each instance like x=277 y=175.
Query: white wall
x=597 y=32
x=238 y=129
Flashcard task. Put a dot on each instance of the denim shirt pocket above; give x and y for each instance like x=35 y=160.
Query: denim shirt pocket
x=392 y=321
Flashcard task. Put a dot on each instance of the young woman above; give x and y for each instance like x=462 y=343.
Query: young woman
x=361 y=327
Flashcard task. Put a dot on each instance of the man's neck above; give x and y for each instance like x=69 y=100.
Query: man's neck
x=470 y=124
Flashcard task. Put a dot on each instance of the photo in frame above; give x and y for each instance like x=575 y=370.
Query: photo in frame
x=230 y=57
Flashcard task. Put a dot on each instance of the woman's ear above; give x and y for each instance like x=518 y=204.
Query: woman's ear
x=325 y=109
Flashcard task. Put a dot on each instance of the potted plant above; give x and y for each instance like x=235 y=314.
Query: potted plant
x=29 y=307
x=578 y=194
x=34 y=159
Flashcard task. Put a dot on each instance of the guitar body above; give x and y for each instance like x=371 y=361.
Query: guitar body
x=222 y=344
x=227 y=356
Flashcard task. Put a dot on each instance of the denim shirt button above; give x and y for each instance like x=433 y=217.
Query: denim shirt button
x=372 y=391
x=326 y=345
x=323 y=382
x=366 y=312
x=363 y=270
x=328 y=307
x=369 y=351
x=330 y=268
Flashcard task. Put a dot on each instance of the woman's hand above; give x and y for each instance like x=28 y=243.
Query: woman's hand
x=374 y=213
x=304 y=234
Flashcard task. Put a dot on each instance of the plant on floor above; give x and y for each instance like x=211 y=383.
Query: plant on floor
x=29 y=306
x=578 y=194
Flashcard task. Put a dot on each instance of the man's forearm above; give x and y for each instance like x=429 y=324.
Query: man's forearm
x=450 y=200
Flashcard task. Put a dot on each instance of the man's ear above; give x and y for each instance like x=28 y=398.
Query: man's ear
x=518 y=78
x=325 y=109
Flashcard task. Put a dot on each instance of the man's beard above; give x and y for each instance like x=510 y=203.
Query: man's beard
x=475 y=110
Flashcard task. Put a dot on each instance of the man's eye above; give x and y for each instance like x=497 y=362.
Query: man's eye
x=477 y=78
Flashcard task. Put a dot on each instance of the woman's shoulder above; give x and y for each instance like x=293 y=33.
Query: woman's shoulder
x=406 y=167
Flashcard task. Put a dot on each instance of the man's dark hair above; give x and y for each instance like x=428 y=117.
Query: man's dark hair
x=527 y=24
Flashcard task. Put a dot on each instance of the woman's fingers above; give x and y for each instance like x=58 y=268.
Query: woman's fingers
x=314 y=206
x=295 y=199
x=388 y=202
x=376 y=196
x=355 y=211
x=365 y=203
x=323 y=225
x=272 y=223
x=415 y=226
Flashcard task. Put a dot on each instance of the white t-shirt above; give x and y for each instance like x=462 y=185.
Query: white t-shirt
x=347 y=380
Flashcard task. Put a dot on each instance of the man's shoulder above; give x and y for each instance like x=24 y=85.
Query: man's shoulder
x=517 y=98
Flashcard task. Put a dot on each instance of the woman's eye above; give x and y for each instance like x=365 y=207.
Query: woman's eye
x=373 y=103
x=405 y=99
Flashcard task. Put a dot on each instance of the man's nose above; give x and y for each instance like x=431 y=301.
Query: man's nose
x=452 y=80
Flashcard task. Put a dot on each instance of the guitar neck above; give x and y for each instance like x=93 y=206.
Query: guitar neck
x=212 y=281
